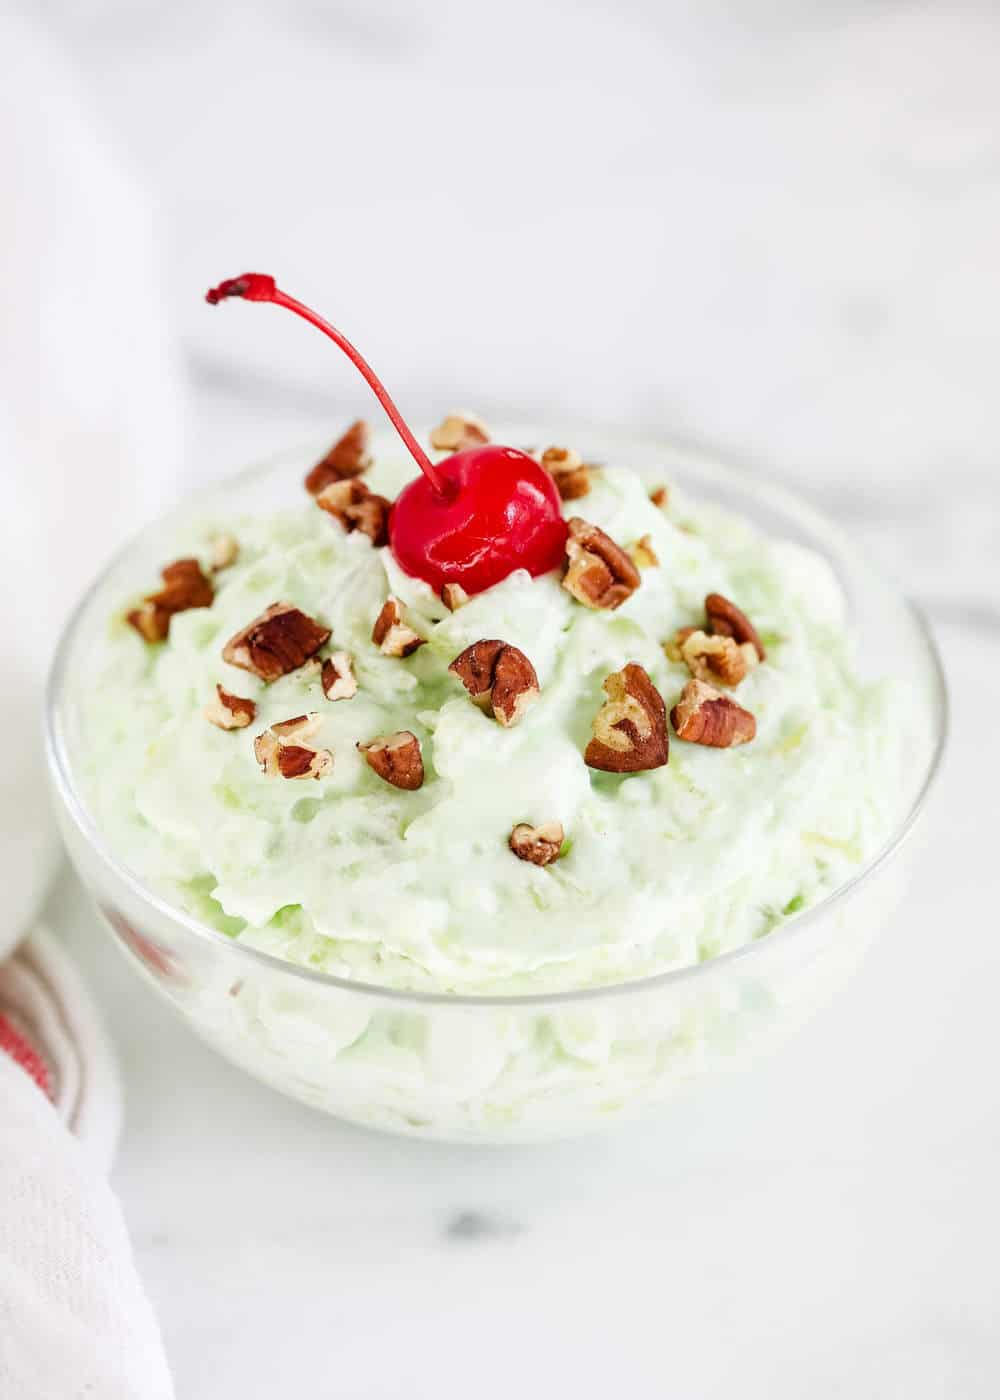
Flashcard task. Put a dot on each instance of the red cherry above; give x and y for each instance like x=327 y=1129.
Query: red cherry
x=499 y=511
x=470 y=520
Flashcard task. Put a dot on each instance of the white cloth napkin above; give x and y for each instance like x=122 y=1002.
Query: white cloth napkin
x=89 y=406
x=74 y=1320
x=89 y=442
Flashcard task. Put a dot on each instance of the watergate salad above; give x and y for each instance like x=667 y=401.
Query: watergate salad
x=645 y=748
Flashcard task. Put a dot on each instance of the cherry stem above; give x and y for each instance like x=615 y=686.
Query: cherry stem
x=258 y=286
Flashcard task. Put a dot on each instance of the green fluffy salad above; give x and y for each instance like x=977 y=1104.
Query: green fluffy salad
x=328 y=863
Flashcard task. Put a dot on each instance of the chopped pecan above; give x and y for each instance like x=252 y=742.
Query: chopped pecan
x=281 y=758
x=538 y=844
x=277 y=642
x=458 y=431
x=349 y=456
x=719 y=659
x=265 y=751
x=299 y=761
x=674 y=648
x=396 y=758
x=337 y=677
x=659 y=496
x=499 y=677
x=642 y=553
x=600 y=574
x=391 y=634
x=703 y=715
x=184 y=587
x=152 y=623
x=569 y=472
x=224 y=552
x=299 y=727
x=357 y=508
x=630 y=729
x=187 y=585
x=454 y=596
x=229 y=711
x=726 y=620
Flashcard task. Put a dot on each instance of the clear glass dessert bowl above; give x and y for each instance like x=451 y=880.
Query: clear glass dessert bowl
x=502 y=1068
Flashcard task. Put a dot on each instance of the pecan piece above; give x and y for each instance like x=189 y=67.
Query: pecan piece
x=717 y=658
x=391 y=634
x=642 y=553
x=703 y=715
x=349 y=456
x=337 y=677
x=187 y=585
x=458 y=431
x=357 y=508
x=538 y=844
x=674 y=648
x=630 y=728
x=300 y=761
x=569 y=472
x=299 y=727
x=278 y=641
x=281 y=758
x=726 y=620
x=454 y=596
x=184 y=587
x=499 y=677
x=600 y=574
x=229 y=711
x=151 y=622
x=659 y=497
x=396 y=758
x=224 y=551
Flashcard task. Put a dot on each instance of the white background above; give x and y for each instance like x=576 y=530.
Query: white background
x=771 y=227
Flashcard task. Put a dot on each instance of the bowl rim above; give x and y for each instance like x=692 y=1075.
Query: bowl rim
x=676 y=453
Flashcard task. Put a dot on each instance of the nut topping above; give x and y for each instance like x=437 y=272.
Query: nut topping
x=458 y=431
x=337 y=677
x=454 y=596
x=643 y=555
x=659 y=497
x=224 y=552
x=396 y=758
x=600 y=573
x=298 y=761
x=673 y=648
x=538 y=844
x=499 y=677
x=630 y=728
x=704 y=716
x=349 y=456
x=569 y=472
x=149 y=621
x=230 y=711
x=281 y=755
x=719 y=659
x=300 y=728
x=277 y=642
x=184 y=587
x=726 y=620
x=391 y=634
x=357 y=508
x=265 y=751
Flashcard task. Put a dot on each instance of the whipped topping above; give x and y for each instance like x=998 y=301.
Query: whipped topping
x=419 y=888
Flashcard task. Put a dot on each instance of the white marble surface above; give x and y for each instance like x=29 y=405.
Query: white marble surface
x=779 y=223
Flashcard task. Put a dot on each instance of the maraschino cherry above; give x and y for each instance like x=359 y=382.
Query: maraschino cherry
x=470 y=519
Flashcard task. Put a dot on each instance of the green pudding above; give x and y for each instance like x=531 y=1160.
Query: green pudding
x=418 y=887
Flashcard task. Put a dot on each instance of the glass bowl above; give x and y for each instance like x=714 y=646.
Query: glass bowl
x=503 y=1068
